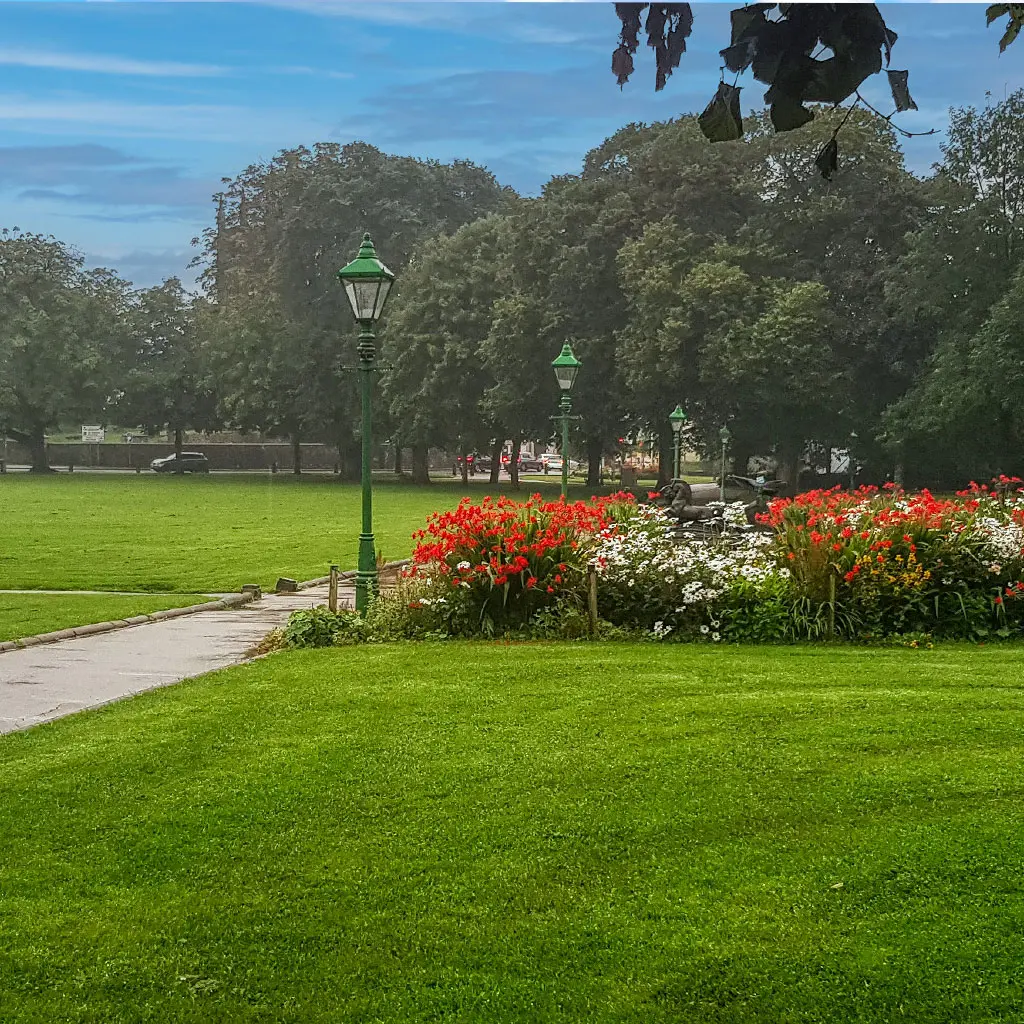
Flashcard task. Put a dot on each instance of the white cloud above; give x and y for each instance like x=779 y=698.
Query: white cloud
x=54 y=114
x=300 y=69
x=105 y=64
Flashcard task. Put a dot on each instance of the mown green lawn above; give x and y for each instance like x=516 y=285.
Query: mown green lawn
x=197 y=534
x=493 y=832
x=29 y=614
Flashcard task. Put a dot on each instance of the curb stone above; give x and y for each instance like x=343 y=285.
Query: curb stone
x=231 y=601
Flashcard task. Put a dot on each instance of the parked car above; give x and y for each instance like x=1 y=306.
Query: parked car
x=189 y=462
x=528 y=464
x=553 y=461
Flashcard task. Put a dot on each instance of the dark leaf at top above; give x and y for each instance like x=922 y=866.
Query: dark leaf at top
x=745 y=18
x=629 y=15
x=900 y=91
x=996 y=11
x=784 y=51
x=1011 y=33
x=667 y=26
x=827 y=161
x=721 y=120
x=1015 y=14
x=622 y=65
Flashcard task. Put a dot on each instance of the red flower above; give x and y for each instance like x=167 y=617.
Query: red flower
x=531 y=582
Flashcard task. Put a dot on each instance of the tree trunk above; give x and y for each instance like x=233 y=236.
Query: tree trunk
x=666 y=451
x=464 y=467
x=513 y=461
x=398 y=456
x=296 y=455
x=349 y=456
x=179 y=442
x=420 y=464
x=496 y=461
x=37 y=449
x=741 y=459
x=595 y=449
x=789 y=469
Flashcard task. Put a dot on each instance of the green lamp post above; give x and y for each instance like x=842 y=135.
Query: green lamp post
x=725 y=437
x=367 y=285
x=678 y=420
x=566 y=367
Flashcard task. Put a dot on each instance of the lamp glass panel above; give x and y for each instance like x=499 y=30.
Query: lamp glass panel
x=566 y=376
x=383 y=290
x=362 y=297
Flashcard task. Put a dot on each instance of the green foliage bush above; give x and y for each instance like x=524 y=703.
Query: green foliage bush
x=317 y=627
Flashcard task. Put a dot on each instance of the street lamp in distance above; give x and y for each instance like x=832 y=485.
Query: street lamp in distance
x=367 y=286
x=566 y=367
x=725 y=437
x=678 y=420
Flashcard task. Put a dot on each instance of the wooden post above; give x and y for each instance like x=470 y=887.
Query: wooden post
x=332 y=593
x=592 y=600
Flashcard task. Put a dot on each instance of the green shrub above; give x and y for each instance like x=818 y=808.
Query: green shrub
x=317 y=627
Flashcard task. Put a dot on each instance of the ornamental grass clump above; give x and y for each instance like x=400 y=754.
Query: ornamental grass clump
x=494 y=565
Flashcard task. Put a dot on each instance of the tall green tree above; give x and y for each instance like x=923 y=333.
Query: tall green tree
x=62 y=337
x=168 y=385
x=434 y=342
x=285 y=227
x=256 y=358
x=959 y=268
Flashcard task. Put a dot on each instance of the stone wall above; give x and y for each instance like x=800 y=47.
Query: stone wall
x=222 y=456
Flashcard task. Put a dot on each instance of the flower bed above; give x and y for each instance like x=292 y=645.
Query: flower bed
x=492 y=567
x=893 y=562
x=867 y=565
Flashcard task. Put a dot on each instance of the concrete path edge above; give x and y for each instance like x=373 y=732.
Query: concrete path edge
x=232 y=601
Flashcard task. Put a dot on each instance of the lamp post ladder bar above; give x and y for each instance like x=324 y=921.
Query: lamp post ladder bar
x=366 y=574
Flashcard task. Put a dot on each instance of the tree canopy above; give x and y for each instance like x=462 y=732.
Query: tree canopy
x=875 y=311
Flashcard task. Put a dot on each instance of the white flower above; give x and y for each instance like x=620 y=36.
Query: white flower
x=705 y=630
x=464 y=565
x=716 y=637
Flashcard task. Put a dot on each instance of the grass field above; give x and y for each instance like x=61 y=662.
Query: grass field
x=526 y=833
x=28 y=614
x=196 y=534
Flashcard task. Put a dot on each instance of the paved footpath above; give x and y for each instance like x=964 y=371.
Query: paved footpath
x=48 y=681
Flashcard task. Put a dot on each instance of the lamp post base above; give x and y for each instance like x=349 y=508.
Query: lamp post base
x=367 y=584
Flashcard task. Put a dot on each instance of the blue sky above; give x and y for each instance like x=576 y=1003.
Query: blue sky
x=119 y=119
